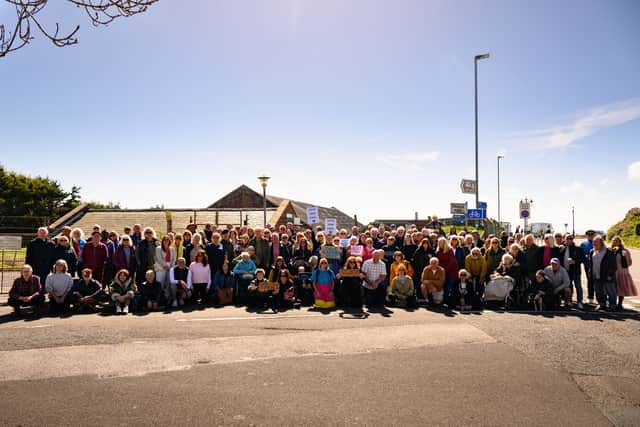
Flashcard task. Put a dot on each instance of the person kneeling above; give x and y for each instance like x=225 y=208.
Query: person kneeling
x=87 y=293
x=26 y=291
x=260 y=295
x=538 y=291
x=122 y=291
x=151 y=291
x=433 y=277
x=401 y=292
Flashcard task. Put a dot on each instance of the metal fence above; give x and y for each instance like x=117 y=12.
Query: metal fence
x=10 y=263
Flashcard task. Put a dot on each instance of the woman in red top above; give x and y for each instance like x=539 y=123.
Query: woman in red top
x=447 y=261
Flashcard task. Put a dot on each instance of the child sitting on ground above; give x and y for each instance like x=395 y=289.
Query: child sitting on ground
x=401 y=292
x=262 y=298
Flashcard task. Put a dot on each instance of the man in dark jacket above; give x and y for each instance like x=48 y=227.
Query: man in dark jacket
x=603 y=273
x=571 y=257
x=262 y=248
x=40 y=255
x=228 y=246
x=145 y=251
x=533 y=254
x=64 y=251
x=87 y=292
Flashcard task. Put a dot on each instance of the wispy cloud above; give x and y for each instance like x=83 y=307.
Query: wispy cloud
x=634 y=171
x=587 y=124
x=573 y=187
x=411 y=160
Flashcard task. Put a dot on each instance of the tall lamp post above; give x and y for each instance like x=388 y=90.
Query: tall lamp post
x=264 y=179
x=499 y=220
x=573 y=221
x=475 y=69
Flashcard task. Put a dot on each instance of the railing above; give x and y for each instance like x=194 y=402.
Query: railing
x=10 y=263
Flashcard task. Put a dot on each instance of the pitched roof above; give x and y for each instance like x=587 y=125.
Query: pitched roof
x=343 y=220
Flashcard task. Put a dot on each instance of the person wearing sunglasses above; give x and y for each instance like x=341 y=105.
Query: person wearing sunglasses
x=571 y=257
x=145 y=254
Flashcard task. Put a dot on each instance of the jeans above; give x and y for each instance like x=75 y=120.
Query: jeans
x=576 y=281
x=606 y=290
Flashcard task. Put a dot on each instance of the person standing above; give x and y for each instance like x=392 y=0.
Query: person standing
x=40 y=254
x=64 y=251
x=571 y=257
x=145 y=254
x=124 y=256
x=586 y=247
x=165 y=259
x=603 y=274
x=94 y=256
x=624 y=282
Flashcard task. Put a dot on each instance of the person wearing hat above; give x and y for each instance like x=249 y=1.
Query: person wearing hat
x=94 y=256
x=558 y=277
x=587 y=246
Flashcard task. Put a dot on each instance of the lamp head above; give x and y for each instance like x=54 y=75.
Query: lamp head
x=264 y=179
x=483 y=56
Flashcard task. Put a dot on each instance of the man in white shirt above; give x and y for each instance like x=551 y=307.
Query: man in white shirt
x=374 y=275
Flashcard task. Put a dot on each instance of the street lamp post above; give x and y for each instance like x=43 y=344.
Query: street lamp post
x=264 y=179
x=573 y=221
x=475 y=69
x=499 y=219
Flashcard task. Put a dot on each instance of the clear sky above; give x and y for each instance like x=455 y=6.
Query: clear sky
x=363 y=105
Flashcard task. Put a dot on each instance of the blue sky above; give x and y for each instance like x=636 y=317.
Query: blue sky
x=362 y=105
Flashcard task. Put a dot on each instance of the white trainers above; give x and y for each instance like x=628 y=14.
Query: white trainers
x=118 y=309
x=174 y=304
x=125 y=309
x=580 y=306
x=590 y=301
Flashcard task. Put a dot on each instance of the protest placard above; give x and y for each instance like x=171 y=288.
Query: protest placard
x=357 y=250
x=350 y=272
x=330 y=226
x=268 y=286
x=330 y=252
x=313 y=216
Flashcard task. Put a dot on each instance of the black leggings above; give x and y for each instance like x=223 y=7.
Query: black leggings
x=200 y=292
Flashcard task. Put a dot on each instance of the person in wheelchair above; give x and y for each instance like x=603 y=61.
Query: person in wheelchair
x=509 y=268
x=243 y=271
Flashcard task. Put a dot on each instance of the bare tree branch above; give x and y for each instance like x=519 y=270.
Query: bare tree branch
x=100 y=12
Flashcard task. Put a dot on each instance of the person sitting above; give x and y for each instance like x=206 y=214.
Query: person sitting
x=476 y=266
x=122 y=290
x=260 y=297
x=398 y=260
x=464 y=294
x=224 y=282
x=244 y=271
x=509 y=268
x=558 y=277
x=58 y=285
x=286 y=294
x=87 y=293
x=401 y=291
x=151 y=291
x=304 y=287
x=433 y=277
x=26 y=291
x=180 y=282
x=538 y=290
x=278 y=265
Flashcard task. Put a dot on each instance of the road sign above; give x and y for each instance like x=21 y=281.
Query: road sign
x=482 y=205
x=458 y=208
x=477 y=214
x=525 y=209
x=468 y=186
x=524 y=213
x=459 y=218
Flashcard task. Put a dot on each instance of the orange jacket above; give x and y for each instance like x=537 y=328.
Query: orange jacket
x=432 y=280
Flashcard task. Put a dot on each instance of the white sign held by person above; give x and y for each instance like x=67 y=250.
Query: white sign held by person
x=330 y=226
x=313 y=216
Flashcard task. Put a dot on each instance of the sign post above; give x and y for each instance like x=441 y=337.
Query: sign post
x=525 y=212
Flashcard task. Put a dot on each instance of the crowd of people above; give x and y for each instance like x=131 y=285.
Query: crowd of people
x=290 y=266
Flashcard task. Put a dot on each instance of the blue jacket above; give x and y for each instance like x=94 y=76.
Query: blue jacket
x=224 y=281
x=245 y=267
x=321 y=277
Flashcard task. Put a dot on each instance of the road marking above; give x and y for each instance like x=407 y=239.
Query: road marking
x=48 y=325
x=263 y=317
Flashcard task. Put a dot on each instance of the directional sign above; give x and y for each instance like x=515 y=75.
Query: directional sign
x=477 y=214
x=468 y=186
x=482 y=205
x=458 y=218
x=524 y=213
x=458 y=208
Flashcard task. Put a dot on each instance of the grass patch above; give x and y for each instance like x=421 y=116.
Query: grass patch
x=12 y=259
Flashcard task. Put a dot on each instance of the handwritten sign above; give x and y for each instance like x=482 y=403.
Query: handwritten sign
x=357 y=250
x=330 y=226
x=313 y=217
x=350 y=272
x=268 y=286
x=330 y=252
x=344 y=243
